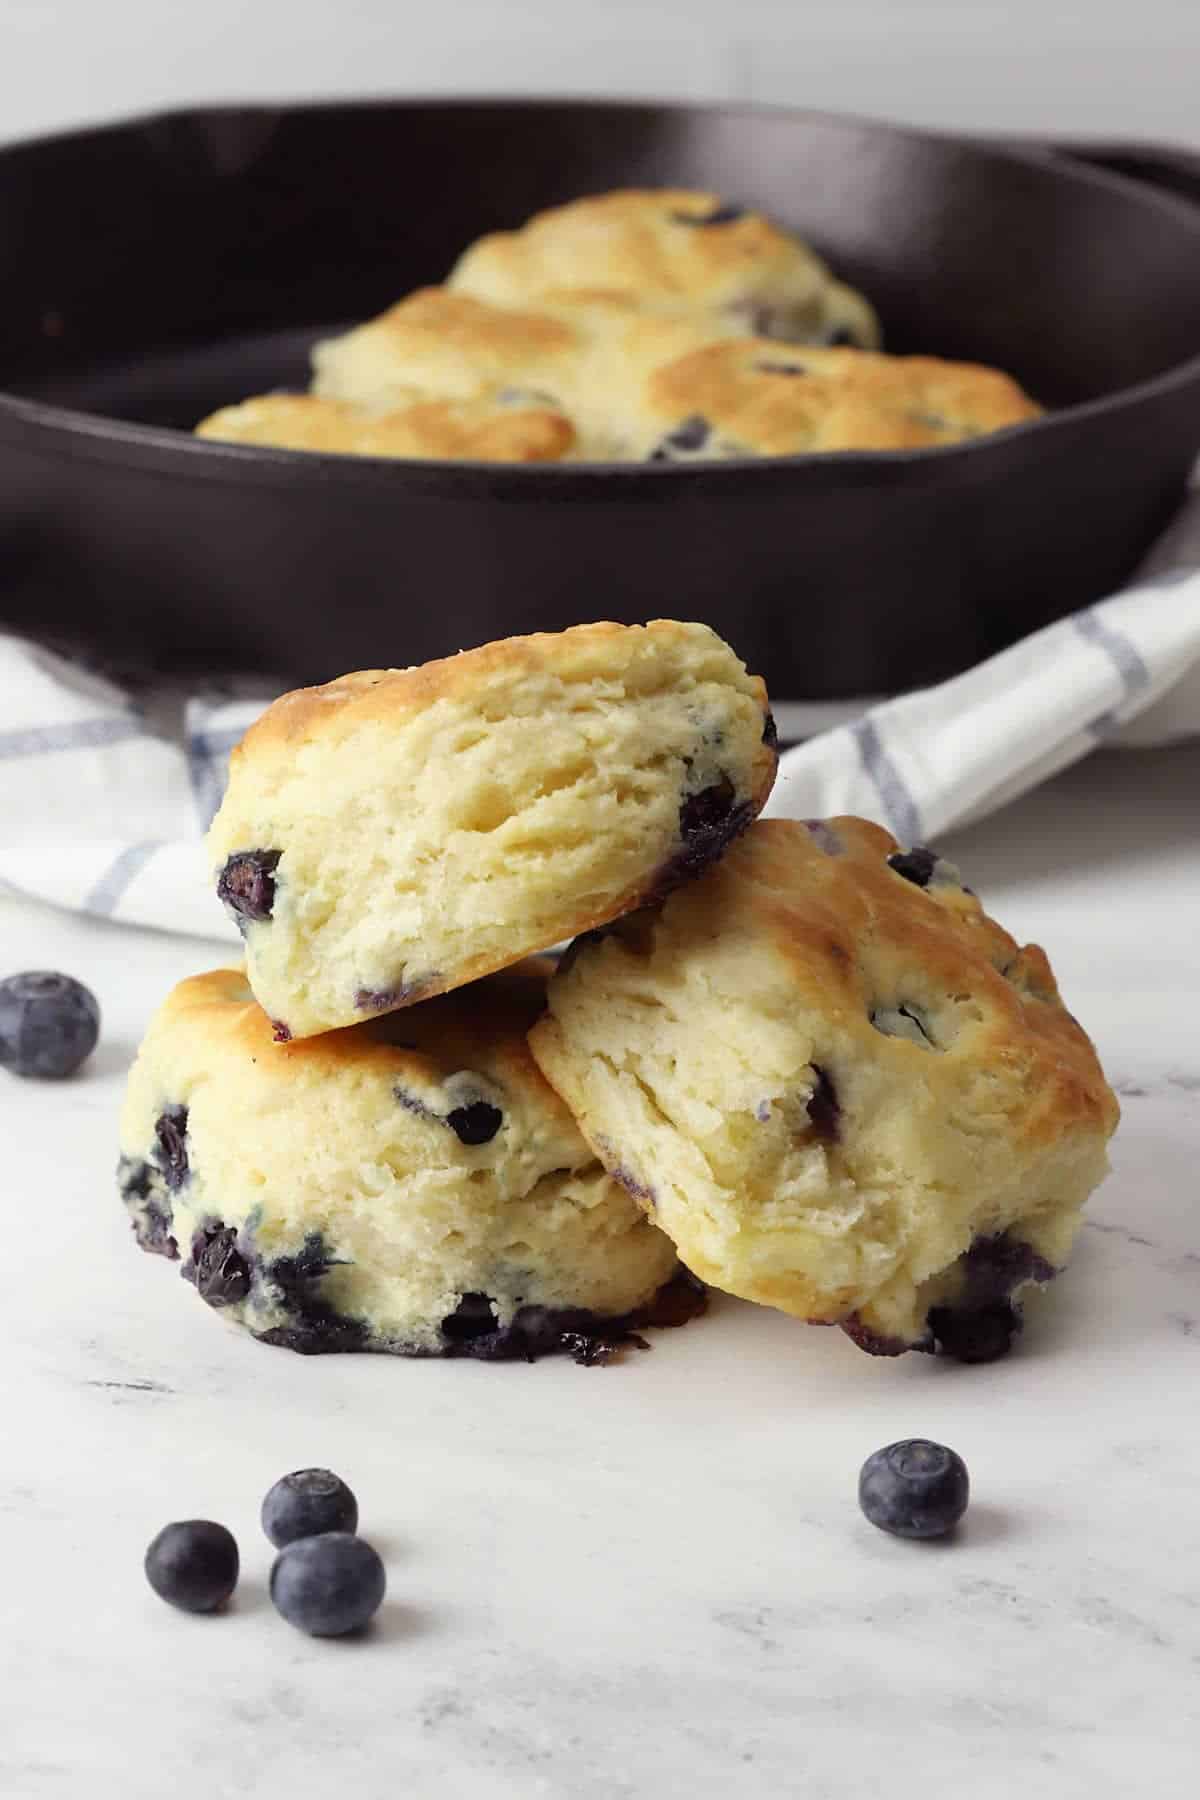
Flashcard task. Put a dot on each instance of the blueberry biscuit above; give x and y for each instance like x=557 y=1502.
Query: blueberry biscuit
x=748 y=397
x=453 y=346
x=838 y=1086
x=479 y=430
x=409 y=1185
x=672 y=249
x=399 y=833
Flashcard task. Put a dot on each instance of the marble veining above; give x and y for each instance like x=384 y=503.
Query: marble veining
x=646 y=1582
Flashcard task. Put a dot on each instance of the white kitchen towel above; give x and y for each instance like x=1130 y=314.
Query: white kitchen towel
x=104 y=802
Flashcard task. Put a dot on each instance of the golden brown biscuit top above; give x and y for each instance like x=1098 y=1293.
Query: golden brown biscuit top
x=640 y=660
x=782 y=399
x=911 y=957
x=437 y=315
x=678 y=245
x=482 y=430
x=448 y=345
x=481 y=1026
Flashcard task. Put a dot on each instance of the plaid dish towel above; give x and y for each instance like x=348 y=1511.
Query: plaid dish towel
x=104 y=803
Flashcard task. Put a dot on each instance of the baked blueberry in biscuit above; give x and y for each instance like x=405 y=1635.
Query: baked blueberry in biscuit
x=412 y=1184
x=754 y=401
x=839 y=1087
x=429 y=825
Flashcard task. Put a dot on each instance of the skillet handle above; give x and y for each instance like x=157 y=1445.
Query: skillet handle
x=1167 y=166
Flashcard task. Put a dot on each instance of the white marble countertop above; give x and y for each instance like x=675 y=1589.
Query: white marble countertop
x=648 y=1580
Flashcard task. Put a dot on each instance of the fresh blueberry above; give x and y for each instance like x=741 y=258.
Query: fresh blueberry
x=914 y=1489
x=328 y=1585
x=306 y=1503
x=246 y=884
x=193 y=1564
x=49 y=1024
x=477 y=1123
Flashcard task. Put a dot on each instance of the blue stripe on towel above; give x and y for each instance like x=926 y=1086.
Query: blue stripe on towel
x=118 y=877
x=83 y=734
x=903 y=815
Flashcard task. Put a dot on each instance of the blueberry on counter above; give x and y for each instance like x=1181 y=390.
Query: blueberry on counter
x=193 y=1564
x=914 y=1489
x=328 y=1585
x=49 y=1024
x=307 y=1503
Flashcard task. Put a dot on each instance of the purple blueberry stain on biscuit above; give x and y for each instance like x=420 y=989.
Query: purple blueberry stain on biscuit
x=637 y=1190
x=770 y=732
x=314 y=1327
x=984 y=1320
x=150 y=1212
x=824 y=837
x=634 y=1186
x=152 y=1229
x=171 y=1153
x=780 y=368
x=590 y=1338
x=877 y=1343
x=280 y=1032
x=379 y=1000
x=246 y=885
x=412 y=1103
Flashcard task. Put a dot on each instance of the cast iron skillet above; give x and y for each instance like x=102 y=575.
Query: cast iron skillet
x=153 y=270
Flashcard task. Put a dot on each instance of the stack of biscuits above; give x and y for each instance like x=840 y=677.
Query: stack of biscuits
x=791 y=1060
x=658 y=325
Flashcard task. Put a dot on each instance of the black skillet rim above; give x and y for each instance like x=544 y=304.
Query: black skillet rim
x=166 y=451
